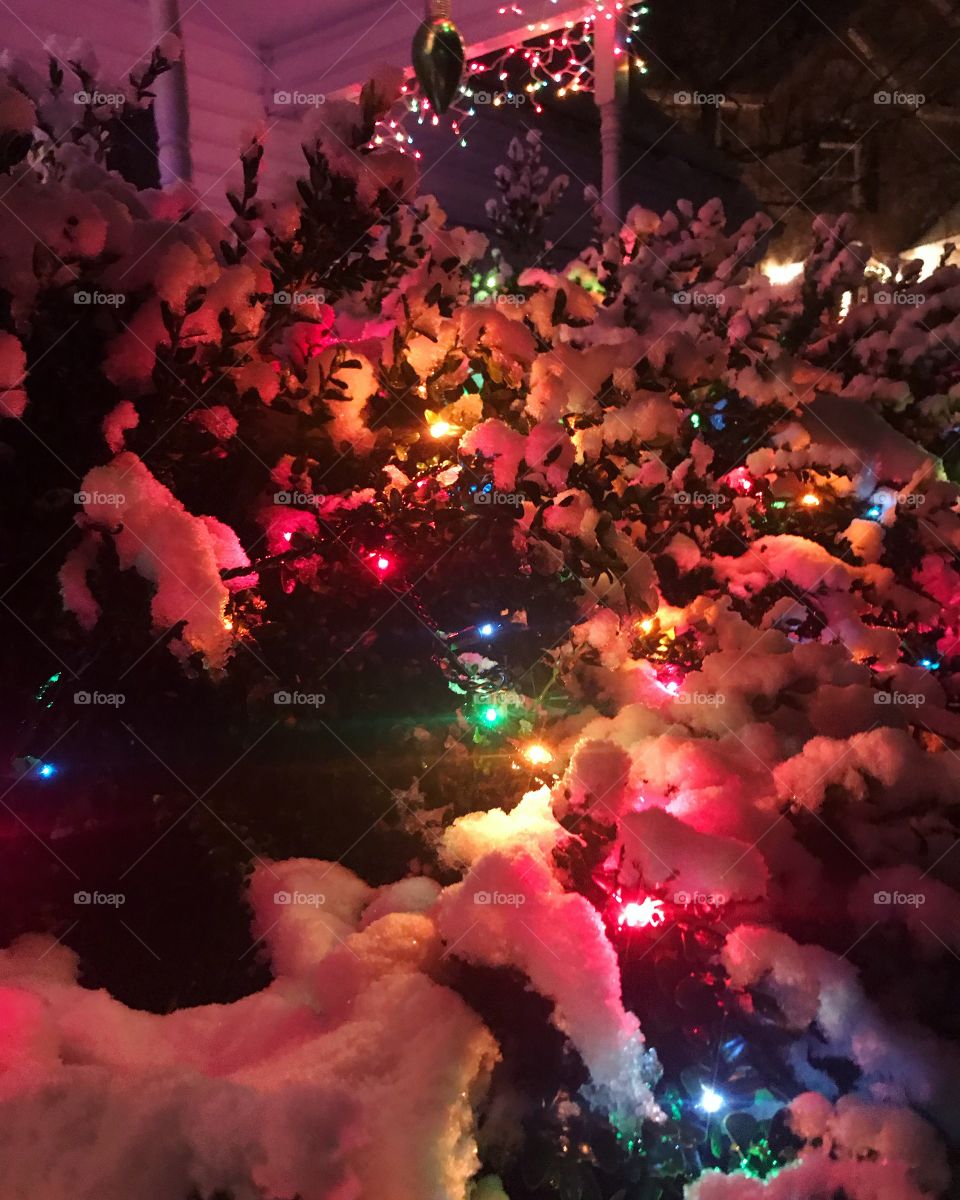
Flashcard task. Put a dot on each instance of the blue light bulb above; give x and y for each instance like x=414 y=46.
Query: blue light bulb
x=46 y=770
x=487 y=629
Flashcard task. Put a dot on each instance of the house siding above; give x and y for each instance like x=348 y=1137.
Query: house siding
x=223 y=75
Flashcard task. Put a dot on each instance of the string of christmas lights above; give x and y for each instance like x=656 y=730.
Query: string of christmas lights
x=556 y=61
x=480 y=686
x=669 y=656
x=493 y=703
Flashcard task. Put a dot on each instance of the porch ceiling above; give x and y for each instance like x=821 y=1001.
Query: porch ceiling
x=335 y=43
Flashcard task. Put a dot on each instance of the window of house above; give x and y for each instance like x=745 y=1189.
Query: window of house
x=841 y=174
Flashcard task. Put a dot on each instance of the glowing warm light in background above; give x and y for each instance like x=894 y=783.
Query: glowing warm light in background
x=781 y=272
x=810 y=500
x=929 y=254
x=537 y=755
x=442 y=429
x=787 y=272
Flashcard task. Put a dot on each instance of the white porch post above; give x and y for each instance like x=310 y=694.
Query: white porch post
x=171 y=105
x=609 y=66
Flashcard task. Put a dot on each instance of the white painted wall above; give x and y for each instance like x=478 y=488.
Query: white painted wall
x=223 y=74
x=239 y=52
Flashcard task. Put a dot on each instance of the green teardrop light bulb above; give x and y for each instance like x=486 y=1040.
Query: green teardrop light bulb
x=438 y=57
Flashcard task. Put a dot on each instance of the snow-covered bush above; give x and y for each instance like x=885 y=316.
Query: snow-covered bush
x=693 y=531
x=528 y=195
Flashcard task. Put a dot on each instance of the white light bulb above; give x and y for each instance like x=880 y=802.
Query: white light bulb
x=710 y=1100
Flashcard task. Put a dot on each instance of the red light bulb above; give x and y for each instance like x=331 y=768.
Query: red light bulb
x=639 y=914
